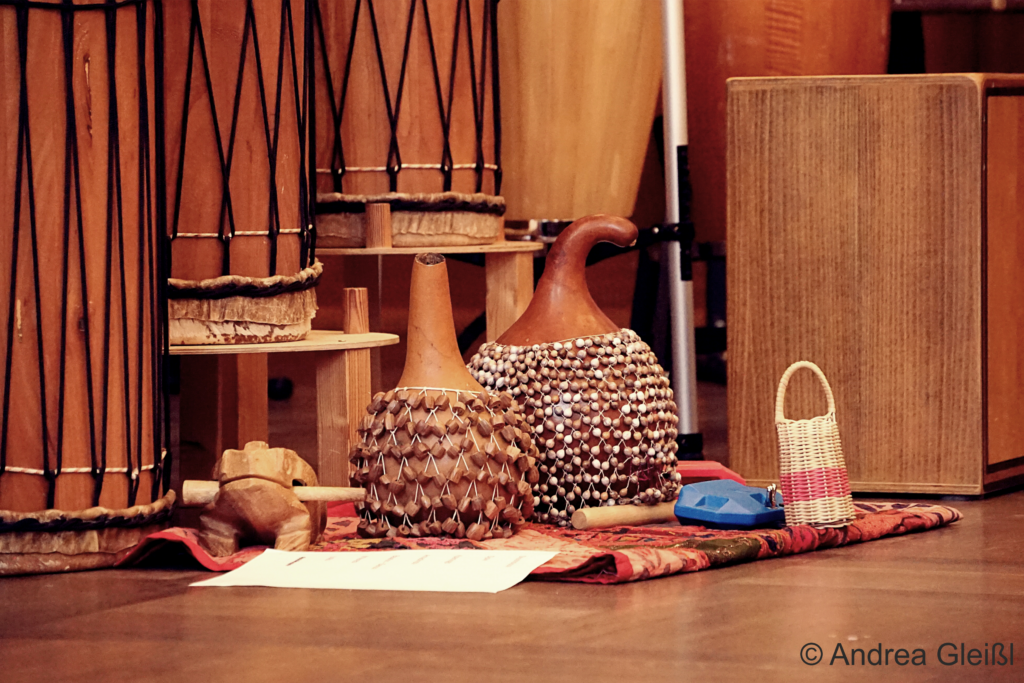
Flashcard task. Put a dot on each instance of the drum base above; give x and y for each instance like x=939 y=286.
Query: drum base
x=444 y=219
x=60 y=541
x=240 y=320
x=241 y=310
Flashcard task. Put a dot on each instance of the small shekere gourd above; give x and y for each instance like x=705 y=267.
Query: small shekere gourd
x=441 y=455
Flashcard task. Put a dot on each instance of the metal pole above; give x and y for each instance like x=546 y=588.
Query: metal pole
x=677 y=212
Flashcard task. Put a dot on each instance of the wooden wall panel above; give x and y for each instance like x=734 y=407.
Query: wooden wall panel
x=1005 y=278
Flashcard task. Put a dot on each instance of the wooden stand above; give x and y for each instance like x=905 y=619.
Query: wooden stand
x=378 y=226
x=233 y=410
x=509 y=267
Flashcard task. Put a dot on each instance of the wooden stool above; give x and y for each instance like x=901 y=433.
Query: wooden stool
x=234 y=395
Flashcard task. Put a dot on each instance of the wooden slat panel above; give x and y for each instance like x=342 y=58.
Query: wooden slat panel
x=854 y=237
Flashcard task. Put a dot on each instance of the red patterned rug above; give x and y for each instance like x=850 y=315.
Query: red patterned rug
x=614 y=555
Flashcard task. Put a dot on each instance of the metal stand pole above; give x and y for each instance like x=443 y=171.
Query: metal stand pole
x=677 y=212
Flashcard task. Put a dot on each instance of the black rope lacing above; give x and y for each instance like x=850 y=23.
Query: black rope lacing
x=140 y=236
x=300 y=100
x=393 y=166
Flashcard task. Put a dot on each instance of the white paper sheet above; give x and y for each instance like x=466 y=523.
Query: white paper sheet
x=456 y=571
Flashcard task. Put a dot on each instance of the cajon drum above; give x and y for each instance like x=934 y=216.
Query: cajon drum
x=876 y=228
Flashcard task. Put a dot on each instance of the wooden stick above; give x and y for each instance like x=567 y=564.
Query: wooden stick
x=196 y=493
x=626 y=515
x=378 y=225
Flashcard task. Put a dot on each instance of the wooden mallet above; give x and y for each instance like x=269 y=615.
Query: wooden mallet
x=622 y=515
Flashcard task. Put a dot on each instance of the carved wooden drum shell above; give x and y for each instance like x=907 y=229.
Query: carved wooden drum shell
x=81 y=407
x=407 y=113
x=235 y=106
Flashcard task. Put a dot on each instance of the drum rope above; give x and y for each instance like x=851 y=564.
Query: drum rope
x=25 y=184
x=417 y=167
x=135 y=471
x=241 y=233
x=271 y=134
x=478 y=78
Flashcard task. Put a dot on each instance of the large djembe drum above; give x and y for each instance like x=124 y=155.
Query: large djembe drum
x=236 y=126
x=580 y=82
x=82 y=415
x=407 y=116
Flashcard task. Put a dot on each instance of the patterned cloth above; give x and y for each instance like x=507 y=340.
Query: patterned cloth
x=614 y=555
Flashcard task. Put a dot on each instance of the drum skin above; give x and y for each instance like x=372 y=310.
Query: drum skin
x=764 y=38
x=78 y=290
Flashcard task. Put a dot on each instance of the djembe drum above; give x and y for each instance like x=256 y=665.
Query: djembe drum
x=407 y=117
x=235 y=109
x=580 y=82
x=82 y=459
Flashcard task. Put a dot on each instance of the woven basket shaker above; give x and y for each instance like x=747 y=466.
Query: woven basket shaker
x=815 y=486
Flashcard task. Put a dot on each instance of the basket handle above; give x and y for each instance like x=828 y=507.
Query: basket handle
x=780 y=397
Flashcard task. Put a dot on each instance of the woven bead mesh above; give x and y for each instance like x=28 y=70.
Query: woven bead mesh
x=438 y=462
x=602 y=413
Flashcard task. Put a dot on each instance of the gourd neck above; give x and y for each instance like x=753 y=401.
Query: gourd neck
x=432 y=357
x=562 y=306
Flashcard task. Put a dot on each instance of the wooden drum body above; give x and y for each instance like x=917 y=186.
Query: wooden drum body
x=407 y=115
x=236 y=168
x=580 y=82
x=82 y=440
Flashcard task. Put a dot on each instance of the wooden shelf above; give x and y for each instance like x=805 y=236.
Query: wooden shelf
x=496 y=248
x=316 y=340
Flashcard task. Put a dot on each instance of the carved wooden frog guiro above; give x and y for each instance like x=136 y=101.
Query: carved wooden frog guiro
x=256 y=504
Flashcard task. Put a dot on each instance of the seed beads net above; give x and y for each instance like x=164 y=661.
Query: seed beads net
x=602 y=412
x=444 y=462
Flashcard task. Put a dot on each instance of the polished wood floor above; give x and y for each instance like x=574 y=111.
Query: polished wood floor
x=962 y=584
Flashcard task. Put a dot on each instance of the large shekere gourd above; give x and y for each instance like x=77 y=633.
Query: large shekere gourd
x=599 y=405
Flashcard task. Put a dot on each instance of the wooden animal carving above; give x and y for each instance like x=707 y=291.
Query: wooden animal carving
x=256 y=504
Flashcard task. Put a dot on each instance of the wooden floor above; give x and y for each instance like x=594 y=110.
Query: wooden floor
x=746 y=623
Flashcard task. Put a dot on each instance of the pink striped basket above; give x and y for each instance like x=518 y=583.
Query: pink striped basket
x=815 y=488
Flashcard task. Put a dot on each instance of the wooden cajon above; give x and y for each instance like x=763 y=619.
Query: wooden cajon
x=876 y=228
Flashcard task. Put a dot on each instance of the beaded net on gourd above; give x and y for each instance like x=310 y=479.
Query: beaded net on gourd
x=443 y=462
x=602 y=413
